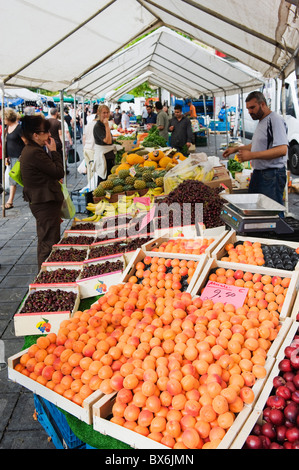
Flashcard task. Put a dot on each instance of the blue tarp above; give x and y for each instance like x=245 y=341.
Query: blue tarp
x=127 y=98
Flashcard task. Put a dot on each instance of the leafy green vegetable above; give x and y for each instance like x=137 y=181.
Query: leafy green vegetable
x=154 y=139
x=234 y=167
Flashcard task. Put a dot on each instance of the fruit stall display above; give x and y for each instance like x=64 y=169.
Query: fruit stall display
x=173 y=369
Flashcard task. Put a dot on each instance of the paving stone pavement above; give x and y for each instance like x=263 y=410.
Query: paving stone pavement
x=18 y=428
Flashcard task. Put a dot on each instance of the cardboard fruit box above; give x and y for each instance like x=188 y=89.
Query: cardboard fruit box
x=141 y=254
x=292 y=275
x=221 y=178
x=37 y=323
x=99 y=284
x=82 y=226
x=232 y=237
x=84 y=412
x=102 y=409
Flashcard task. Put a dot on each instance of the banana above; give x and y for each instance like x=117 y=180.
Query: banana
x=89 y=219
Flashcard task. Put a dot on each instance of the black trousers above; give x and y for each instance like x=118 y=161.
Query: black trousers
x=48 y=220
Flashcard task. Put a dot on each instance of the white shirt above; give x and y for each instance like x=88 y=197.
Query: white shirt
x=125 y=121
x=88 y=133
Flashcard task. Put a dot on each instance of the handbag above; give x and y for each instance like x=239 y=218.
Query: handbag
x=68 y=209
x=15 y=173
x=71 y=156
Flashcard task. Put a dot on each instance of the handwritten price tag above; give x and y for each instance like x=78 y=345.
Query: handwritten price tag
x=227 y=294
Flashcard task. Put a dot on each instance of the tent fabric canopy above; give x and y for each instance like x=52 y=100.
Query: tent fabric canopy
x=186 y=68
x=85 y=36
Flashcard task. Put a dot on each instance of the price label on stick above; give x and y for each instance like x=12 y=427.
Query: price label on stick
x=227 y=294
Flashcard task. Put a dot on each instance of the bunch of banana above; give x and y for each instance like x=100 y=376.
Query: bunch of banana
x=111 y=209
x=154 y=192
x=209 y=176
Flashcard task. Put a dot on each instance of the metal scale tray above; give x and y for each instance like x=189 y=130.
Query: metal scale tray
x=253 y=205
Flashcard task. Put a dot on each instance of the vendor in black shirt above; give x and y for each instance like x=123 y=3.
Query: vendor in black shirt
x=181 y=130
x=103 y=138
x=117 y=117
x=151 y=116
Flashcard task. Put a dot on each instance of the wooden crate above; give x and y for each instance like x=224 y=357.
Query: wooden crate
x=295 y=310
x=232 y=237
x=84 y=412
x=97 y=285
x=34 y=323
x=292 y=289
x=253 y=418
x=103 y=408
x=156 y=242
x=140 y=255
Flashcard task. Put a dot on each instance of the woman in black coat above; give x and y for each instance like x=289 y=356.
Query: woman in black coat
x=41 y=170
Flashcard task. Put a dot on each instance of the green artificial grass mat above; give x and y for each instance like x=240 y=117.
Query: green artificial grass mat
x=84 y=431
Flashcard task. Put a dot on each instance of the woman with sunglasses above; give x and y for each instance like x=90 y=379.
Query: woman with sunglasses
x=41 y=170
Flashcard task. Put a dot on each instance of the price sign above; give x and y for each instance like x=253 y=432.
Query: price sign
x=227 y=294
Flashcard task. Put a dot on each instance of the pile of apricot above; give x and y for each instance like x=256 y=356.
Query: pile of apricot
x=164 y=273
x=244 y=252
x=192 y=246
x=182 y=368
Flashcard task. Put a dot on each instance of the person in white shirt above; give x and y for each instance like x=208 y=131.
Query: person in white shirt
x=125 y=120
x=88 y=144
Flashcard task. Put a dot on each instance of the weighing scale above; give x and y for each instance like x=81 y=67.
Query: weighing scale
x=248 y=213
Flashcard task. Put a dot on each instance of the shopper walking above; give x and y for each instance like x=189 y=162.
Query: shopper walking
x=14 y=146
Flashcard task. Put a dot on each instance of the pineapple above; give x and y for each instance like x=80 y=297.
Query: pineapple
x=123 y=174
x=108 y=184
x=159 y=182
x=99 y=192
x=147 y=176
x=118 y=189
x=130 y=180
x=139 y=184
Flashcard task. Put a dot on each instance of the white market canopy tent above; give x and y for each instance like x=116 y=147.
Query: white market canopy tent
x=172 y=62
x=59 y=45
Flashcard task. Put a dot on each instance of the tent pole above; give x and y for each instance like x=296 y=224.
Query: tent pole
x=283 y=112
x=206 y=120
x=226 y=121
x=75 y=133
x=63 y=134
x=214 y=117
x=3 y=150
x=243 y=117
